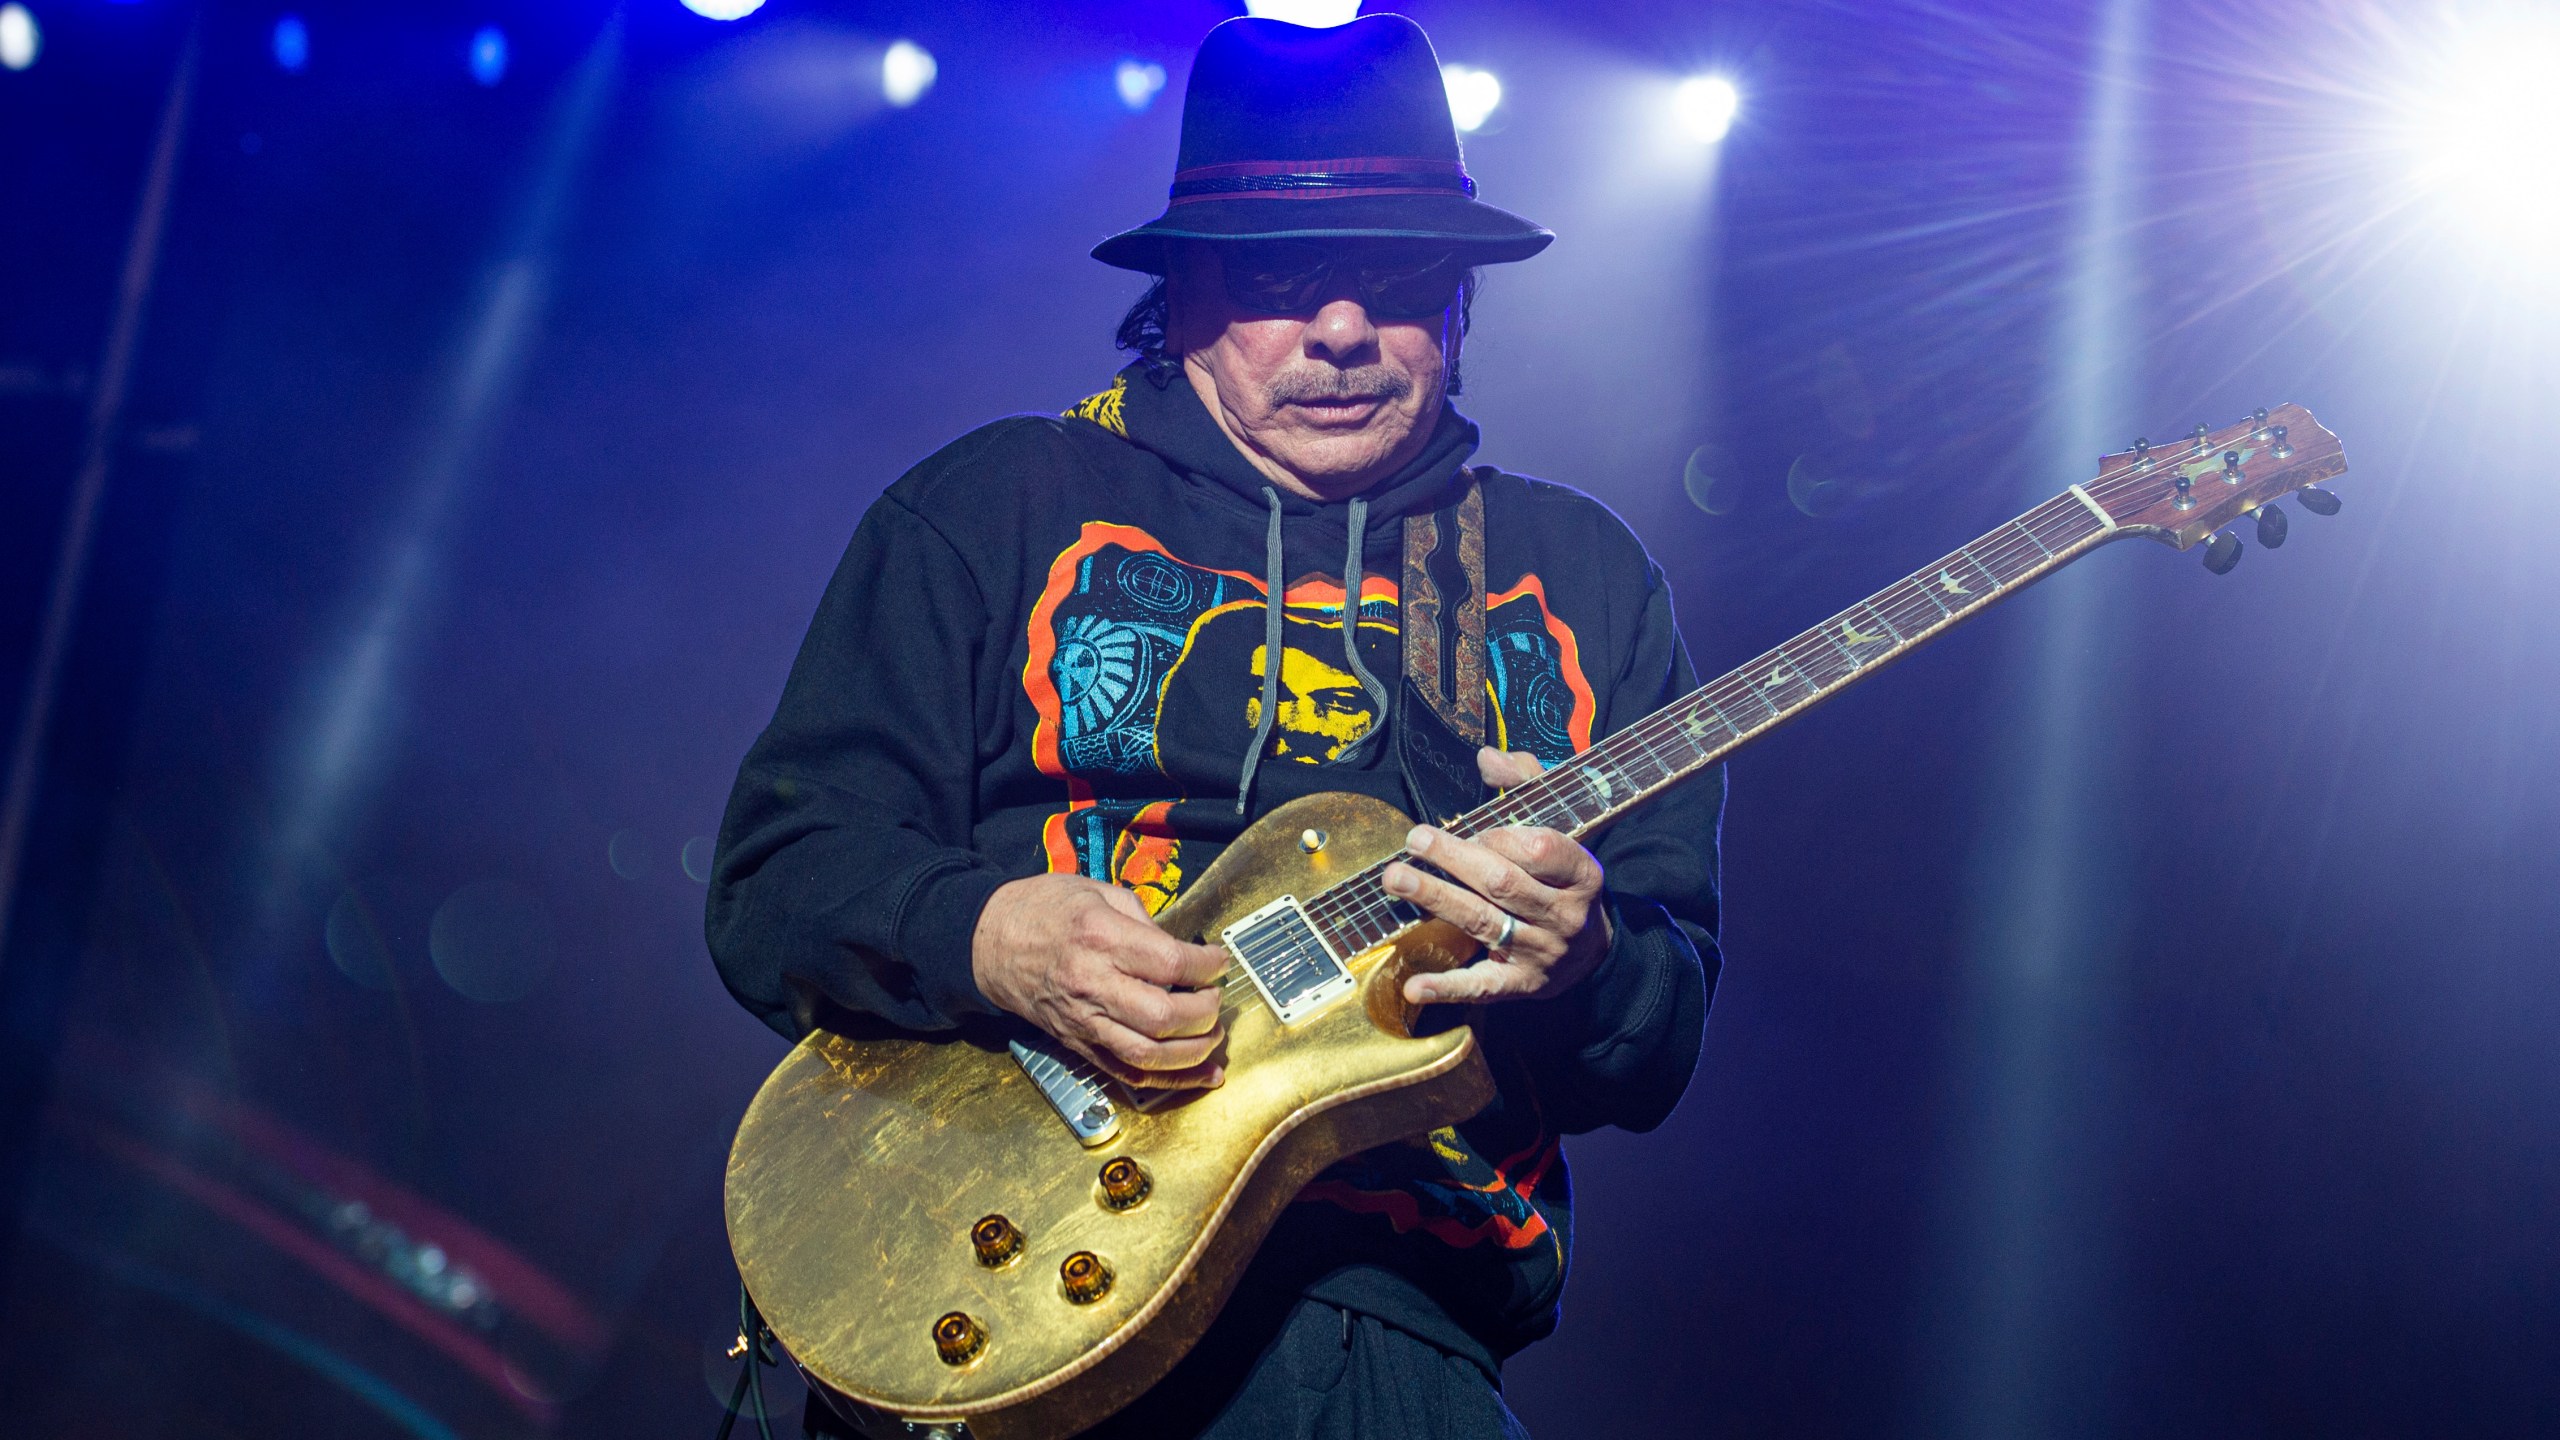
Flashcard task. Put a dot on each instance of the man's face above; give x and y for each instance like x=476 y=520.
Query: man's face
x=1328 y=398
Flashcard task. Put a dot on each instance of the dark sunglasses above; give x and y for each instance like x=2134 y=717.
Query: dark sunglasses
x=1295 y=277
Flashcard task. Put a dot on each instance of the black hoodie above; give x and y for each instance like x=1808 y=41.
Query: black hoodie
x=1043 y=651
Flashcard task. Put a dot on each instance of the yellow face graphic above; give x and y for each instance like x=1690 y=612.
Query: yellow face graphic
x=1322 y=709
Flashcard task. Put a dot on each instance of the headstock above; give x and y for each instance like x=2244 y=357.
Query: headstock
x=2186 y=490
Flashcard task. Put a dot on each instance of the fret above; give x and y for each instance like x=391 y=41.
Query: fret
x=1742 y=704
x=2062 y=522
x=1865 y=633
x=1960 y=582
x=2008 y=554
x=1818 y=664
x=1913 y=610
x=1776 y=678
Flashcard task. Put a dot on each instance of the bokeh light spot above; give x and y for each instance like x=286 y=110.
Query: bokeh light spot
x=291 y=44
x=724 y=9
x=628 y=853
x=906 y=72
x=21 y=39
x=1813 y=490
x=697 y=859
x=489 y=55
x=1708 y=481
x=492 y=941
x=1139 y=82
x=1473 y=94
x=357 y=943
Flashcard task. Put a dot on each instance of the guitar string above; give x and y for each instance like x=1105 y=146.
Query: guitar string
x=1353 y=901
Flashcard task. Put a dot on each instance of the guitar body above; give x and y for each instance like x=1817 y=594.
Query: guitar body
x=863 y=1165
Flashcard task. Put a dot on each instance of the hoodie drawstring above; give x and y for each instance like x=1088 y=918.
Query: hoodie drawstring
x=1273 y=608
x=1351 y=626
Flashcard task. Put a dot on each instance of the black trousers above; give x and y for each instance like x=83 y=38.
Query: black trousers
x=1305 y=1370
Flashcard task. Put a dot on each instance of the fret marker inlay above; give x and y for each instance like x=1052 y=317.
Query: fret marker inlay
x=1948 y=583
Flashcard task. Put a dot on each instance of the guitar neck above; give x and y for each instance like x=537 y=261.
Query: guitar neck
x=1632 y=766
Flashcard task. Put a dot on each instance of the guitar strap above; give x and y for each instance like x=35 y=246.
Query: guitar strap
x=1442 y=707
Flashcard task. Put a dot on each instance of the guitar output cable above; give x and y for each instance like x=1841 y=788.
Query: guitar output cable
x=754 y=1341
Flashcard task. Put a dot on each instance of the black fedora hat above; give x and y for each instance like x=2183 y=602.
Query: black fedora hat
x=1341 y=133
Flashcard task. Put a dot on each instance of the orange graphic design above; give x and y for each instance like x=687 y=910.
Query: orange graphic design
x=1119 y=618
x=1463 y=1201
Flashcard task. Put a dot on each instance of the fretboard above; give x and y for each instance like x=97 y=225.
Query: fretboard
x=1685 y=737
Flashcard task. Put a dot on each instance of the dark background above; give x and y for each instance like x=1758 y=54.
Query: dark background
x=2139 y=1011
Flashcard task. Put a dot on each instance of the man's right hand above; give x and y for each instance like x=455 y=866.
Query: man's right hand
x=1082 y=961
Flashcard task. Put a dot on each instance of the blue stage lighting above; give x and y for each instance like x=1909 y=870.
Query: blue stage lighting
x=291 y=43
x=20 y=37
x=2484 y=132
x=1319 y=13
x=906 y=72
x=724 y=9
x=1473 y=94
x=1706 y=105
x=489 y=55
x=1139 y=83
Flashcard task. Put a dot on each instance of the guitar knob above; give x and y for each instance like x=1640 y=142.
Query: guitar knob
x=997 y=1241
x=2272 y=526
x=1085 y=1277
x=2222 y=552
x=958 y=1338
x=1124 y=1184
x=2317 y=500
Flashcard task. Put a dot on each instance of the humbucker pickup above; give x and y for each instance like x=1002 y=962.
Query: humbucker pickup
x=1293 y=967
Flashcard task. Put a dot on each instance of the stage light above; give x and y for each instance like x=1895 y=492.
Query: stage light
x=724 y=9
x=2484 y=132
x=291 y=43
x=1318 y=13
x=1705 y=105
x=906 y=72
x=1473 y=94
x=1138 y=82
x=489 y=55
x=20 y=38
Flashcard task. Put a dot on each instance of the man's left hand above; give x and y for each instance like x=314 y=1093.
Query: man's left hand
x=1547 y=884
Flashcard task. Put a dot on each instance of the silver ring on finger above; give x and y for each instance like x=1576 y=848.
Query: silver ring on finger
x=1510 y=926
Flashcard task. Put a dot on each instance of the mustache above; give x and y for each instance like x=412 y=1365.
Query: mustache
x=1360 y=382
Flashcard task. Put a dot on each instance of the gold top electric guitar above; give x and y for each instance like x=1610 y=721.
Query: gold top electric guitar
x=964 y=1238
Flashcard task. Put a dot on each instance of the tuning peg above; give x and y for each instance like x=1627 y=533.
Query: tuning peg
x=2231 y=468
x=2222 y=552
x=2202 y=435
x=2283 y=447
x=2257 y=423
x=2317 y=500
x=2142 y=454
x=2272 y=526
x=2186 y=492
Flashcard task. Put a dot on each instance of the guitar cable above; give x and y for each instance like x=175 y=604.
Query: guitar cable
x=753 y=1338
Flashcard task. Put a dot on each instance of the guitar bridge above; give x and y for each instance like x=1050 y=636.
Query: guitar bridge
x=1293 y=967
x=1074 y=1089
